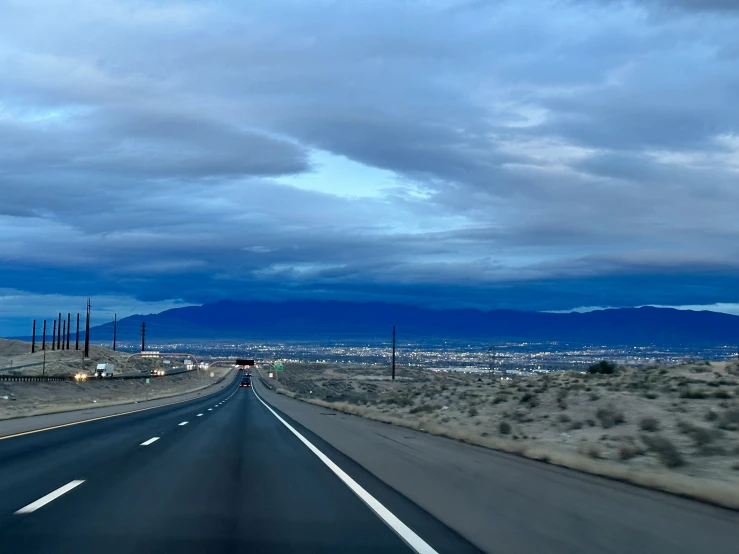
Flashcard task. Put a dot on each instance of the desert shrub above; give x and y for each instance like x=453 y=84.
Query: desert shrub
x=721 y=394
x=701 y=435
x=575 y=425
x=592 y=451
x=472 y=412
x=603 y=367
x=562 y=394
x=500 y=398
x=593 y=396
x=424 y=408
x=692 y=393
x=531 y=399
x=712 y=450
x=650 y=424
x=562 y=403
x=610 y=416
x=651 y=395
x=564 y=418
x=402 y=401
x=504 y=428
x=729 y=419
x=710 y=416
x=666 y=451
x=628 y=451
x=590 y=422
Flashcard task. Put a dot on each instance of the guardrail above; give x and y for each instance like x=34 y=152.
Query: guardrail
x=35 y=378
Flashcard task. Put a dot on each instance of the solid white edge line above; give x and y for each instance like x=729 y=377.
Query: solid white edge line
x=183 y=423
x=33 y=506
x=151 y=440
x=416 y=543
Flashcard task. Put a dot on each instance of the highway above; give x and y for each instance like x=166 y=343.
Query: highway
x=224 y=473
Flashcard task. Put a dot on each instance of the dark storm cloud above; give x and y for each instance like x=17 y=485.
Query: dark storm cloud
x=541 y=154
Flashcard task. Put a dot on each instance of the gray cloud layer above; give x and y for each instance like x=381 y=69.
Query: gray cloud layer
x=545 y=153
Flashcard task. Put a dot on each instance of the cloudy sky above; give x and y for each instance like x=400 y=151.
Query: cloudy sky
x=529 y=154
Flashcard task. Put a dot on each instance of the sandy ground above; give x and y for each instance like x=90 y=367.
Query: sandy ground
x=676 y=428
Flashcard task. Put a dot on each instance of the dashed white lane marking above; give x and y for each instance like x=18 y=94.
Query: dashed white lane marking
x=183 y=423
x=416 y=543
x=151 y=440
x=33 y=506
x=210 y=409
x=199 y=415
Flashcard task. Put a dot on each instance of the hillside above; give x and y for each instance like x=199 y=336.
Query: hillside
x=230 y=319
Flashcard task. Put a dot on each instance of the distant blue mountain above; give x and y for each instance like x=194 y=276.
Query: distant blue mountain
x=316 y=319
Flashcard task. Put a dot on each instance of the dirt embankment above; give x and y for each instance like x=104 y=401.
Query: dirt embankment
x=16 y=359
x=673 y=428
x=34 y=398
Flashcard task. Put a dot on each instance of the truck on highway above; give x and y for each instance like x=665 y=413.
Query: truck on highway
x=104 y=370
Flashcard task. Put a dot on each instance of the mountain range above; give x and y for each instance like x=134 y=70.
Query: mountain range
x=326 y=319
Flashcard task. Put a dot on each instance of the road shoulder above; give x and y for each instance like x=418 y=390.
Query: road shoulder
x=501 y=502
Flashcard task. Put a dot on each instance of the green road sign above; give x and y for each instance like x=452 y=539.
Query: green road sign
x=147 y=379
x=278 y=367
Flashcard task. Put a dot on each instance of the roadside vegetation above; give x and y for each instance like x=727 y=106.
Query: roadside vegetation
x=676 y=428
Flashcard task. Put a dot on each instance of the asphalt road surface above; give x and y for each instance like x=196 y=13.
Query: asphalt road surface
x=223 y=473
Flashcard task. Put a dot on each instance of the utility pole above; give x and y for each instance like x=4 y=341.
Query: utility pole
x=115 y=329
x=143 y=336
x=43 y=340
x=53 y=337
x=77 y=336
x=64 y=334
x=87 y=331
x=59 y=333
x=43 y=369
x=69 y=327
x=491 y=362
x=33 y=338
x=393 y=352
